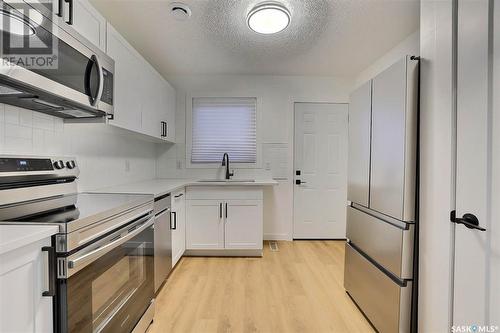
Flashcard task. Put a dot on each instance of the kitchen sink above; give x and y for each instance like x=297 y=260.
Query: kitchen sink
x=226 y=181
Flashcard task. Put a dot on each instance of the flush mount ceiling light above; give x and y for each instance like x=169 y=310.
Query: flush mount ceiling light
x=268 y=18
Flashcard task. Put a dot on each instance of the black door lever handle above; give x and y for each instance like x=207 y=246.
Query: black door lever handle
x=468 y=220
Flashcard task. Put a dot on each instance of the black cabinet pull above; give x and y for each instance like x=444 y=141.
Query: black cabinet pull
x=220 y=210
x=70 y=2
x=469 y=220
x=163 y=129
x=179 y=195
x=60 y=10
x=226 y=210
x=174 y=214
x=52 y=271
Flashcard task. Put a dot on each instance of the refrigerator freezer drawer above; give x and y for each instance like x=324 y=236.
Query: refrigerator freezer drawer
x=384 y=302
x=389 y=245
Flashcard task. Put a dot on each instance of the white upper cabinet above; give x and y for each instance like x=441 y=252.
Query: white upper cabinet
x=127 y=103
x=144 y=101
x=83 y=18
x=360 y=111
x=89 y=23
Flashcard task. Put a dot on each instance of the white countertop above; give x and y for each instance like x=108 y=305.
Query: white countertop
x=15 y=236
x=161 y=186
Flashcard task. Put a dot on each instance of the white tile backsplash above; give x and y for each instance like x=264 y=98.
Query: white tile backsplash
x=11 y=114
x=102 y=151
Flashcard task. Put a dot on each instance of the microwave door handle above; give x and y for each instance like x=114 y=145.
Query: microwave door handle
x=100 y=89
x=87 y=258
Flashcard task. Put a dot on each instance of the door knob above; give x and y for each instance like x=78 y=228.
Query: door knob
x=469 y=220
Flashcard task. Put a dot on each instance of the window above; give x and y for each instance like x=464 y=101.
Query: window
x=223 y=125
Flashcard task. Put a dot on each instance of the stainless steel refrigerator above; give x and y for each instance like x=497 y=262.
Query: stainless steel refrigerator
x=379 y=258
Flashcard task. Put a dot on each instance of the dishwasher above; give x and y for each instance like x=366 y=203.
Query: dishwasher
x=162 y=239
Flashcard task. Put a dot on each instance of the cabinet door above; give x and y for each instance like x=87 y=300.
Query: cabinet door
x=243 y=224
x=204 y=225
x=127 y=77
x=23 y=279
x=360 y=112
x=179 y=233
x=393 y=158
x=89 y=23
x=168 y=109
x=150 y=96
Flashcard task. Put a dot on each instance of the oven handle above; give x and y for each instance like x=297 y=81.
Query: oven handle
x=133 y=230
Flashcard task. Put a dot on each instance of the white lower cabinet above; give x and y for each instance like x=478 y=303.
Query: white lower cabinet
x=23 y=279
x=179 y=231
x=243 y=224
x=224 y=219
x=204 y=225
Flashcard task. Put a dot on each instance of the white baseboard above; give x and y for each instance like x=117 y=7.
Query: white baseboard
x=284 y=237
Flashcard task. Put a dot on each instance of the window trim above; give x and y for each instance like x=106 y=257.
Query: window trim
x=189 y=133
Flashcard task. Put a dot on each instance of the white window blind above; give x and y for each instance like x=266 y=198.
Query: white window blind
x=224 y=125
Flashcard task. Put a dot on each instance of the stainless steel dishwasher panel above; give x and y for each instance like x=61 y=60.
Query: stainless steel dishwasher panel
x=163 y=240
x=386 y=303
x=389 y=245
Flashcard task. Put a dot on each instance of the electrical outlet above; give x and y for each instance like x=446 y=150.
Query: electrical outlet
x=127 y=166
x=179 y=165
x=268 y=166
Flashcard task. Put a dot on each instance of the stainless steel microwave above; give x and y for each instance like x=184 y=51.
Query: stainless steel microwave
x=46 y=66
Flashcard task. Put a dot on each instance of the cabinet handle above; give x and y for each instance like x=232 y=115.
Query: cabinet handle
x=174 y=214
x=70 y=2
x=60 y=10
x=220 y=210
x=226 y=210
x=179 y=195
x=52 y=271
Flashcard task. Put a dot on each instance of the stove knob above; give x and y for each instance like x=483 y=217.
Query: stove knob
x=59 y=165
x=70 y=164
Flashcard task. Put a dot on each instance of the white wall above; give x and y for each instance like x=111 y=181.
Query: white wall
x=276 y=95
x=436 y=182
x=103 y=152
x=408 y=46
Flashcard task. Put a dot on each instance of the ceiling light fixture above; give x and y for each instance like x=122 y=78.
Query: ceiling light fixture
x=268 y=18
x=180 y=11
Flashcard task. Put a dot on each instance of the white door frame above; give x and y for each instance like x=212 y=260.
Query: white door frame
x=293 y=101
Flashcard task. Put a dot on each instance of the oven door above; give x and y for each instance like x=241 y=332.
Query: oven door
x=46 y=69
x=110 y=283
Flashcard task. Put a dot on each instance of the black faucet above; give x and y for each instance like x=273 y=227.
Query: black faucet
x=225 y=162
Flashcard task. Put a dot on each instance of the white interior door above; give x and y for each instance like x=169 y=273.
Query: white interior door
x=477 y=253
x=321 y=169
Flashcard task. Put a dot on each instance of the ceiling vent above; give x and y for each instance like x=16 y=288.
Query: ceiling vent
x=180 y=11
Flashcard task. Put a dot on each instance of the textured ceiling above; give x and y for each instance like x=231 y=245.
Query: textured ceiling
x=325 y=37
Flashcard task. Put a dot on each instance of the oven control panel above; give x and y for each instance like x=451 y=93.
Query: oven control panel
x=35 y=164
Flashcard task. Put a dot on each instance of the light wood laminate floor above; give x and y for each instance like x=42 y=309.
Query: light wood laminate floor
x=298 y=289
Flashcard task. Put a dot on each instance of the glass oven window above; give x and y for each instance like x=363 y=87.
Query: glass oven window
x=117 y=285
x=112 y=293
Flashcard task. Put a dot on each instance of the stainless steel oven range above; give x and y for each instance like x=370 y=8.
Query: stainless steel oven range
x=102 y=259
